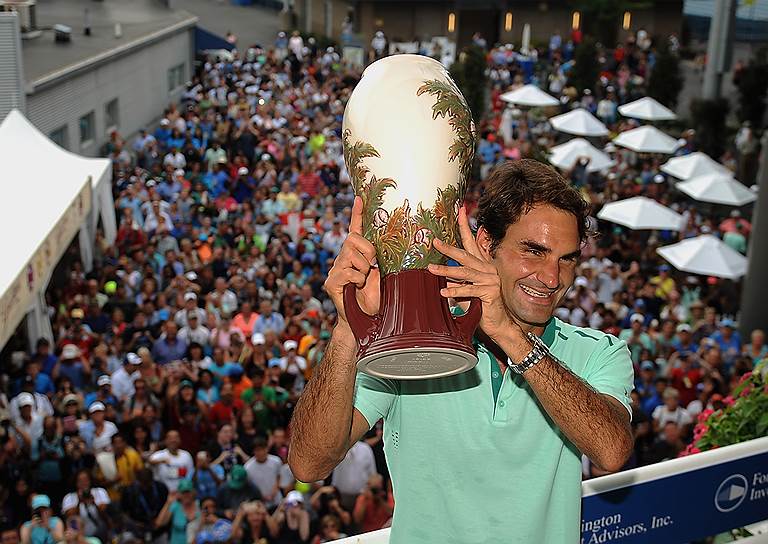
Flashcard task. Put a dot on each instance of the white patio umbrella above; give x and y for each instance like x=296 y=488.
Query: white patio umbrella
x=718 y=188
x=648 y=109
x=579 y=122
x=646 y=139
x=530 y=95
x=706 y=255
x=565 y=155
x=692 y=165
x=641 y=213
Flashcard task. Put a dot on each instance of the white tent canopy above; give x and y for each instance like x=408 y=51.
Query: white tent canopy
x=530 y=95
x=565 y=155
x=647 y=109
x=692 y=165
x=579 y=122
x=639 y=213
x=48 y=194
x=647 y=139
x=706 y=255
x=718 y=188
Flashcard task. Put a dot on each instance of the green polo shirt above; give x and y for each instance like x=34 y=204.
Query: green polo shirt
x=468 y=469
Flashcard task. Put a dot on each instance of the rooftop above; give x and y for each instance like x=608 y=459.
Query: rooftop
x=45 y=60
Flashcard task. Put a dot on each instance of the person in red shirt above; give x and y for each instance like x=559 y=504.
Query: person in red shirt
x=372 y=509
x=309 y=182
x=246 y=319
x=227 y=408
x=684 y=377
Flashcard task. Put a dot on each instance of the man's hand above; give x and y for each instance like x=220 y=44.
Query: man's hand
x=476 y=277
x=355 y=264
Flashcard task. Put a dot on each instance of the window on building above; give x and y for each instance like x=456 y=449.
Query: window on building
x=59 y=136
x=112 y=114
x=175 y=77
x=87 y=127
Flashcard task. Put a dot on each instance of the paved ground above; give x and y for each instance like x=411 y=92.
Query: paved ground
x=251 y=24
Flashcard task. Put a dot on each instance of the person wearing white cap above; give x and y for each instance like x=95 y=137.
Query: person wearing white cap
x=190 y=305
x=42 y=406
x=122 y=379
x=72 y=366
x=97 y=431
x=103 y=393
x=29 y=425
x=636 y=338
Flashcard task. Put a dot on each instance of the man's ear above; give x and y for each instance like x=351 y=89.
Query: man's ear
x=484 y=243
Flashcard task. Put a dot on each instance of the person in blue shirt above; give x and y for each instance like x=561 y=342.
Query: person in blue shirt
x=169 y=347
x=268 y=319
x=655 y=398
x=103 y=394
x=729 y=341
x=206 y=477
x=163 y=132
x=42 y=382
x=44 y=356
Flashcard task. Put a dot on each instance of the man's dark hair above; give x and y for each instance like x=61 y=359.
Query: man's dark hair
x=259 y=442
x=515 y=187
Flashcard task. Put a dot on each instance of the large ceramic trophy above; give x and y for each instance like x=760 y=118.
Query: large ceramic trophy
x=408 y=145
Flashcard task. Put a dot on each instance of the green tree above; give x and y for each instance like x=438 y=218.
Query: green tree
x=708 y=118
x=752 y=83
x=665 y=82
x=469 y=74
x=585 y=69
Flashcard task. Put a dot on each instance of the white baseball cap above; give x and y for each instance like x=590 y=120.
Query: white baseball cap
x=133 y=359
x=636 y=318
x=103 y=380
x=290 y=344
x=258 y=338
x=242 y=171
x=70 y=502
x=190 y=296
x=70 y=351
x=96 y=407
x=26 y=399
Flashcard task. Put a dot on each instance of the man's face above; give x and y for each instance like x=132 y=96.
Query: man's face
x=536 y=262
x=9 y=536
x=172 y=440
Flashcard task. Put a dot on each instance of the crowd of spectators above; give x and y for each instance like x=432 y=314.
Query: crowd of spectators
x=160 y=412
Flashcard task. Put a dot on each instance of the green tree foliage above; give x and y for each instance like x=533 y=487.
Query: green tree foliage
x=709 y=122
x=752 y=83
x=665 y=82
x=585 y=70
x=469 y=74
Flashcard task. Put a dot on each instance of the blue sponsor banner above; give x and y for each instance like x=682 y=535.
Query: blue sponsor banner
x=683 y=506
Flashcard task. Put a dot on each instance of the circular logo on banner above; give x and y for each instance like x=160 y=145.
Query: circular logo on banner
x=731 y=493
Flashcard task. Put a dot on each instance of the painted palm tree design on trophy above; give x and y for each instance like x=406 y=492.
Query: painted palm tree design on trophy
x=403 y=237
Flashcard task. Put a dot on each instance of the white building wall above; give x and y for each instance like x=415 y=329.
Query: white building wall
x=138 y=79
x=11 y=70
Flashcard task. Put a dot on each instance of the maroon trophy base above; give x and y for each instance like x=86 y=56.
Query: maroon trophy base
x=414 y=336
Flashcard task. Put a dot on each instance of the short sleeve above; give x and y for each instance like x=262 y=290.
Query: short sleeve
x=611 y=371
x=100 y=496
x=374 y=397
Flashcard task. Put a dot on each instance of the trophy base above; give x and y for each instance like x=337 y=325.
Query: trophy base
x=417 y=363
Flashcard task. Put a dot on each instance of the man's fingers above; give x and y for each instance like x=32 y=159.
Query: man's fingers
x=461 y=256
x=356 y=222
x=358 y=242
x=467 y=239
x=458 y=273
x=467 y=291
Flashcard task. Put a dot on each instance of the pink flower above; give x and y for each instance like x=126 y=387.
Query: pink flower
x=700 y=430
x=745 y=377
x=745 y=392
x=694 y=449
x=703 y=416
x=728 y=401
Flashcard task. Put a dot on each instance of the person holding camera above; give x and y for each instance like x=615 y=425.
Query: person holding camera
x=326 y=501
x=292 y=520
x=91 y=504
x=43 y=528
x=254 y=525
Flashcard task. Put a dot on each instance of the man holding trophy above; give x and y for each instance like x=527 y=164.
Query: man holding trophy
x=483 y=432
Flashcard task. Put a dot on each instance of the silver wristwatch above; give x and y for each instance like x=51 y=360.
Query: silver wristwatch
x=539 y=350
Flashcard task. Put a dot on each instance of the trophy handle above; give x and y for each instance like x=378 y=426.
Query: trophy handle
x=363 y=326
x=468 y=322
